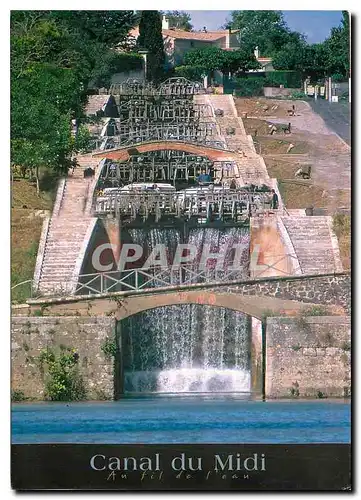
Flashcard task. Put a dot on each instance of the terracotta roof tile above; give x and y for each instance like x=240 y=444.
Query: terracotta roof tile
x=196 y=35
x=189 y=35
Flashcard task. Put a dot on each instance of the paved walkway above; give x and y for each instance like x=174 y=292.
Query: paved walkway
x=337 y=116
x=329 y=154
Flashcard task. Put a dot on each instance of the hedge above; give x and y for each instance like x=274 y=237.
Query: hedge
x=248 y=86
x=289 y=79
x=115 y=62
x=125 y=62
x=193 y=73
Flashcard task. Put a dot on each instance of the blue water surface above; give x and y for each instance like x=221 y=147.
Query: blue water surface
x=182 y=419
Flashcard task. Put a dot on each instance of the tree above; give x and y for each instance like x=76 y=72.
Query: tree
x=54 y=56
x=109 y=27
x=320 y=59
x=215 y=58
x=265 y=29
x=151 y=39
x=179 y=19
x=337 y=48
x=239 y=61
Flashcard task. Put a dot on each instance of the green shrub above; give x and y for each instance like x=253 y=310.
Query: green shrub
x=289 y=79
x=249 y=86
x=17 y=396
x=63 y=380
x=193 y=73
x=115 y=62
x=337 y=78
x=298 y=94
x=109 y=347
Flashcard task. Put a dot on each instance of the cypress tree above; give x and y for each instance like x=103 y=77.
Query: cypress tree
x=151 y=39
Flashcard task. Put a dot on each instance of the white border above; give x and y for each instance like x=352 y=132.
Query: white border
x=5 y=189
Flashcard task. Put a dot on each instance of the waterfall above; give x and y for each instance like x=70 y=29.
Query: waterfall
x=189 y=348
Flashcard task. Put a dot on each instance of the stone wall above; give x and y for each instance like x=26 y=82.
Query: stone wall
x=87 y=335
x=278 y=92
x=308 y=357
x=333 y=289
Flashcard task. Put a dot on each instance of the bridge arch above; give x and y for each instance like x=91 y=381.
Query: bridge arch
x=256 y=306
x=124 y=153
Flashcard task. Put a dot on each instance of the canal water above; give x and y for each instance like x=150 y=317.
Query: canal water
x=183 y=419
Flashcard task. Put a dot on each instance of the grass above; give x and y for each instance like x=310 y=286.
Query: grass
x=342 y=228
x=297 y=196
x=252 y=124
x=25 y=235
x=26 y=229
x=268 y=145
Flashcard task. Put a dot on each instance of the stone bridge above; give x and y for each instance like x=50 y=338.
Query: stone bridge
x=124 y=153
x=258 y=298
x=311 y=351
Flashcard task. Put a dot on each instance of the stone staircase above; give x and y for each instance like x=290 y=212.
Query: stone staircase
x=95 y=103
x=315 y=243
x=68 y=229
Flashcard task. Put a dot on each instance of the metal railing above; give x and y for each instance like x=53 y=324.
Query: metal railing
x=142 y=279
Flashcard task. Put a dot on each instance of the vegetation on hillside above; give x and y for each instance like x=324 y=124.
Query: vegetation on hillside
x=54 y=57
x=25 y=231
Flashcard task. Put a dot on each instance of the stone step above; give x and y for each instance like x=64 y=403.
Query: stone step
x=312 y=242
x=49 y=274
x=63 y=274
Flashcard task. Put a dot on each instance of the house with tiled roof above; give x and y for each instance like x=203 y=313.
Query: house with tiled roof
x=178 y=42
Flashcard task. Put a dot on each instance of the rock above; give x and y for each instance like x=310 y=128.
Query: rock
x=309 y=351
x=265 y=108
x=39 y=213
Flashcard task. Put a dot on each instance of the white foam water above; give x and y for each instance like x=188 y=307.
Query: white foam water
x=187 y=380
x=188 y=348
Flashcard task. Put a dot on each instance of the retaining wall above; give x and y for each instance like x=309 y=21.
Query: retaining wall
x=86 y=335
x=308 y=357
